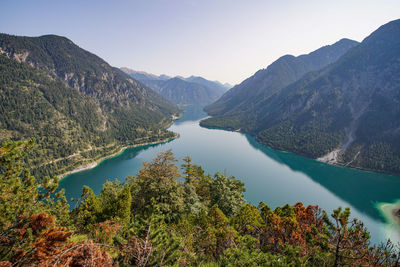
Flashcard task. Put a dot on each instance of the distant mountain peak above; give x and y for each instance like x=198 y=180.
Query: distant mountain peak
x=389 y=32
x=142 y=75
x=181 y=90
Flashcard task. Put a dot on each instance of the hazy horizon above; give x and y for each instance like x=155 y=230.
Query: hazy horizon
x=222 y=40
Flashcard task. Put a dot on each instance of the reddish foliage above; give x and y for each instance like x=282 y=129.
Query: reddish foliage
x=82 y=254
x=308 y=216
x=34 y=239
x=104 y=232
x=290 y=226
x=50 y=243
x=39 y=222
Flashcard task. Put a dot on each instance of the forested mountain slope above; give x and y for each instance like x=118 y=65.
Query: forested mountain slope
x=77 y=106
x=351 y=108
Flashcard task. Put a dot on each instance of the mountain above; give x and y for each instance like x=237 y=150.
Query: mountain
x=287 y=69
x=180 y=90
x=142 y=75
x=77 y=106
x=227 y=86
x=215 y=85
x=346 y=113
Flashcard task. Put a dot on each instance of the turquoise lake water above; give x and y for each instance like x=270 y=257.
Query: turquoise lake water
x=274 y=177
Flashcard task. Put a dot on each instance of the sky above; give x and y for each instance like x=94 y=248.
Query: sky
x=224 y=40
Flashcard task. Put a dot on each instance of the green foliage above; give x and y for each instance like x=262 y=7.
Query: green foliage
x=89 y=210
x=193 y=205
x=113 y=203
x=156 y=185
x=377 y=156
x=227 y=193
x=17 y=186
x=248 y=221
x=195 y=176
x=173 y=225
x=246 y=256
x=350 y=238
x=116 y=201
x=312 y=140
x=77 y=107
x=215 y=233
x=26 y=208
x=123 y=205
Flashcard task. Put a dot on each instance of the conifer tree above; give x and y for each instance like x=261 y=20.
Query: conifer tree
x=227 y=193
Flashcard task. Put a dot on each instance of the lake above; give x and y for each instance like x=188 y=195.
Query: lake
x=272 y=176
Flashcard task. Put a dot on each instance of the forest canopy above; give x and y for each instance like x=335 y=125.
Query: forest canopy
x=169 y=216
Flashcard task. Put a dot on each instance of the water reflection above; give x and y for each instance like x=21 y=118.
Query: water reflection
x=361 y=189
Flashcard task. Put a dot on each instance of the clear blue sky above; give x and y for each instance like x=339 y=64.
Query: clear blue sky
x=225 y=40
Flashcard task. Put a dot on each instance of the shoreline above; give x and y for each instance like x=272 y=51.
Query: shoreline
x=338 y=164
x=93 y=164
x=391 y=212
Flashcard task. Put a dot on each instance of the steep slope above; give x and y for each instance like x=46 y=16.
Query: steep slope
x=179 y=90
x=77 y=106
x=351 y=109
x=83 y=71
x=238 y=106
x=347 y=113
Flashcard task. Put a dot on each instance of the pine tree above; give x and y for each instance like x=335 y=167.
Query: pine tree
x=227 y=193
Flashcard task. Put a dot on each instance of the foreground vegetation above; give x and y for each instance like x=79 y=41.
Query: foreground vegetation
x=162 y=218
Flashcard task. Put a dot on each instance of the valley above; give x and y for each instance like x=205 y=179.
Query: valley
x=295 y=165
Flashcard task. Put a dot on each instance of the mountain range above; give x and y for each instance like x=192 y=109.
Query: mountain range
x=339 y=104
x=75 y=104
x=180 y=90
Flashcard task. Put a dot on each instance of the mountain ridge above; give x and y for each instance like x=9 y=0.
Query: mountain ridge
x=180 y=90
x=346 y=113
x=119 y=110
x=277 y=75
